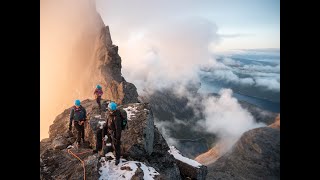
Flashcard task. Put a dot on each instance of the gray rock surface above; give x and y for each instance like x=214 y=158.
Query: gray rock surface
x=115 y=87
x=256 y=155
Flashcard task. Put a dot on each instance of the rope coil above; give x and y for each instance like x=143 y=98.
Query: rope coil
x=82 y=162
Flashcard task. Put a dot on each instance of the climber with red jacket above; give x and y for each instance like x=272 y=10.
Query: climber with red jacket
x=78 y=116
x=112 y=128
x=98 y=93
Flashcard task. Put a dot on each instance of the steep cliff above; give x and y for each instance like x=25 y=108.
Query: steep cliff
x=108 y=71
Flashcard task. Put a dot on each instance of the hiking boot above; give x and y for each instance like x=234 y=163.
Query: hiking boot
x=117 y=162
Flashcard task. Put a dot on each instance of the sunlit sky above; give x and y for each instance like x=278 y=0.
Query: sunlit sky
x=241 y=24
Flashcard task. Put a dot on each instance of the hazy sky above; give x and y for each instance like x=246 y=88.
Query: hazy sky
x=241 y=24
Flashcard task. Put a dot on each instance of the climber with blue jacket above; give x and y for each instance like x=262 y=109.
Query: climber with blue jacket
x=78 y=116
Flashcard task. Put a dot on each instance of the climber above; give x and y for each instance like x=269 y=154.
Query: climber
x=112 y=128
x=78 y=115
x=98 y=93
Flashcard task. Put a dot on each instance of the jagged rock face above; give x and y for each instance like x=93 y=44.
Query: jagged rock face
x=139 y=138
x=140 y=142
x=109 y=71
x=256 y=155
x=161 y=160
x=188 y=171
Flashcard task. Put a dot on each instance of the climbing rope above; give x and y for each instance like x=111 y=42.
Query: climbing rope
x=82 y=162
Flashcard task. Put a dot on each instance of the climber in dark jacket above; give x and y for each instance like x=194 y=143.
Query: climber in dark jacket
x=112 y=128
x=78 y=115
x=98 y=93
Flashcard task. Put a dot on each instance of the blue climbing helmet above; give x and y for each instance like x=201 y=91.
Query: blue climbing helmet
x=112 y=106
x=77 y=102
x=98 y=86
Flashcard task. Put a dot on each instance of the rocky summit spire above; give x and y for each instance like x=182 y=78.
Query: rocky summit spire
x=108 y=70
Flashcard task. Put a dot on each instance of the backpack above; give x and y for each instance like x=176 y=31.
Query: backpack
x=79 y=114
